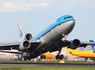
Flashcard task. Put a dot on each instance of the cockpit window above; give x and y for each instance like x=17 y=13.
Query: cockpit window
x=68 y=17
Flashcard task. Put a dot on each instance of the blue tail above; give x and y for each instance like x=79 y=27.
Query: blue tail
x=93 y=46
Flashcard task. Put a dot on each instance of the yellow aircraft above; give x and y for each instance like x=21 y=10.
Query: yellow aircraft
x=84 y=54
x=48 y=55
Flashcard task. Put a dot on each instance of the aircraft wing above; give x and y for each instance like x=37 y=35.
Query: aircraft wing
x=16 y=45
x=73 y=44
x=9 y=46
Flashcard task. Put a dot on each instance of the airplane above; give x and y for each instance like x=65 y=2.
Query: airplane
x=9 y=56
x=49 y=39
x=85 y=54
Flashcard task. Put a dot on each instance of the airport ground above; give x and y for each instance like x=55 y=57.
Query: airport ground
x=77 y=62
x=46 y=65
x=27 y=67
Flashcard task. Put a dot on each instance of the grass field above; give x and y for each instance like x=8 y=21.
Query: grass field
x=27 y=67
x=15 y=67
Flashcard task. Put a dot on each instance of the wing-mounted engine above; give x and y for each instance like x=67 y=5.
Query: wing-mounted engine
x=74 y=44
x=24 y=45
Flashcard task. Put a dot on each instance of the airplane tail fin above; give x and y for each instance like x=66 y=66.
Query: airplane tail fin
x=93 y=46
x=21 y=31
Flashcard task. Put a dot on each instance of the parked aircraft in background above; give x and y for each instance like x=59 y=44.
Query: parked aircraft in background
x=9 y=56
x=49 y=39
x=85 y=54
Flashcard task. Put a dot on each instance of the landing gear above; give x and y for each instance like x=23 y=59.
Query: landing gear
x=26 y=58
x=65 y=36
x=43 y=57
x=59 y=57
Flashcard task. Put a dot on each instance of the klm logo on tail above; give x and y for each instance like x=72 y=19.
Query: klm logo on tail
x=21 y=33
x=93 y=46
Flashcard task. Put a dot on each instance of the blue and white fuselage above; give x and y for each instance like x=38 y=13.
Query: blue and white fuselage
x=61 y=20
x=52 y=34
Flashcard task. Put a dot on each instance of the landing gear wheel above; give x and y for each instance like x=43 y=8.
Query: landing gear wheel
x=29 y=59
x=25 y=58
x=43 y=57
x=59 y=57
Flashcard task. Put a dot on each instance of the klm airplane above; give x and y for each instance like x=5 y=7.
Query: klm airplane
x=48 y=40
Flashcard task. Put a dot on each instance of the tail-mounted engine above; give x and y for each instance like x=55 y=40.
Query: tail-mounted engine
x=24 y=42
x=28 y=36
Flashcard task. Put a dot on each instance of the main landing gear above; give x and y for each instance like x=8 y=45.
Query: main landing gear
x=59 y=57
x=42 y=57
x=26 y=58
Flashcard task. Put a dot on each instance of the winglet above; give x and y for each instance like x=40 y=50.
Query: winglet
x=20 y=29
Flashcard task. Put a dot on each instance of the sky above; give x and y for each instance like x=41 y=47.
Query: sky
x=36 y=15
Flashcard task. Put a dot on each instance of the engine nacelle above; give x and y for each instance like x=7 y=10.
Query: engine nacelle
x=24 y=45
x=28 y=36
x=74 y=44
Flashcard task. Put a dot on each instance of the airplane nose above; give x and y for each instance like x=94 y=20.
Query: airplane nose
x=69 y=26
x=72 y=24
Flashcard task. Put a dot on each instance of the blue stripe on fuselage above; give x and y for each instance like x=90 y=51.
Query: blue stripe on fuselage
x=51 y=27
